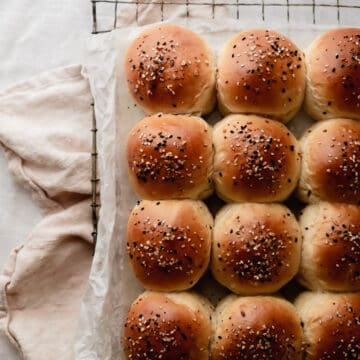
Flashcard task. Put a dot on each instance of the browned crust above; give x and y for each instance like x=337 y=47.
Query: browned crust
x=170 y=157
x=257 y=328
x=333 y=72
x=331 y=161
x=256 y=159
x=159 y=327
x=331 y=325
x=332 y=241
x=261 y=72
x=171 y=69
x=168 y=243
x=256 y=247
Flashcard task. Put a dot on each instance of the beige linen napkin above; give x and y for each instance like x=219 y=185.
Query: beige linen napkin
x=45 y=131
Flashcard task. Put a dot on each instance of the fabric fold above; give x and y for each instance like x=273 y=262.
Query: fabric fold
x=45 y=128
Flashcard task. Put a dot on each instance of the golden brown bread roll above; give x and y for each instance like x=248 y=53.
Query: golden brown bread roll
x=169 y=242
x=331 y=325
x=256 y=159
x=171 y=69
x=256 y=247
x=261 y=72
x=168 y=326
x=331 y=162
x=170 y=157
x=256 y=327
x=333 y=75
x=331 y=247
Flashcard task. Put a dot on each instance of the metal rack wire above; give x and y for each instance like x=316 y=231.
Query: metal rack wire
x=94 y=178
x=105 y=12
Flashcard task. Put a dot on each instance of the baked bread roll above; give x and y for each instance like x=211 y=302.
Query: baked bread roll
x=171 y=69
x=331 y=247
x=170 y=157
x=256 y=327
x=256 y=159
x=331 y=325
x=168 y=326
x=331 y=162
x=333 y=75
x=261 y=72
x=168 y=243
x=256 y=247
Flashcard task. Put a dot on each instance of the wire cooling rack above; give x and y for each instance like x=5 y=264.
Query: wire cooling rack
x=94 y=178
x=107 y=14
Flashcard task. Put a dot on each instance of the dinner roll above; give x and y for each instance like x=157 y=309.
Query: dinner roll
x=331 y=247
x=170 y=157
x=256 y=247
x=256 y=159
x=331 y=162
x=261 y=72
x=256 y=327
x=168 y=243
x=333 y=75
x=168 y=326
x=171 y=69
x=331 y=324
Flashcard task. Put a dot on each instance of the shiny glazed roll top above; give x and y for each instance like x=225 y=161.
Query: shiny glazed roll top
x=168 y=243
x=261 y=72
x=333 y=75
x=331 y=247
x=171 y=69
x=331 y=325
x=331 y=162
x=256 y=159
x=168 y=326
x=256 y=247
x=170 y=157
x=256 y=327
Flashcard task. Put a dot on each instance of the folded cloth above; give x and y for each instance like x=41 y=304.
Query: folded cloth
x=45 y=131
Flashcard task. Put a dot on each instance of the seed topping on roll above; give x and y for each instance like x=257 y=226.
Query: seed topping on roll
x=171 y=69
x=261 y=72
x=331 y=324
x=256 y=159
x=169 y=243
x=173 y=165
x=333 y=64
x=256 y=327
x=331 y=162
x=256 y=247
x=331 y=247
x=168 y=326
x=170 y=156
x=267 y=254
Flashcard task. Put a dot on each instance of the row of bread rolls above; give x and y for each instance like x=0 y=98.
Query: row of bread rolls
x=171 y=69
x=174 y=326
x=246 y=157
x=251 y=248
